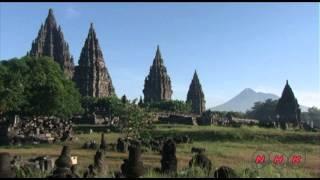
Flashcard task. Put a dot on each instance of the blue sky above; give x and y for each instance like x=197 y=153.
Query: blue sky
x=231 y=45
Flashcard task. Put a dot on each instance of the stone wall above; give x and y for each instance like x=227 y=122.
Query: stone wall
x=178 y=119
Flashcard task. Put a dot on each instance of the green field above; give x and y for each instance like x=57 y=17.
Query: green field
x=233 y=147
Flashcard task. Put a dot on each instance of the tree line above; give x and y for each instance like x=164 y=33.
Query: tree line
x=36 y=86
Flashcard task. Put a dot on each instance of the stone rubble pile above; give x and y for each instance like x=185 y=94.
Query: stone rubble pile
x=40 y=130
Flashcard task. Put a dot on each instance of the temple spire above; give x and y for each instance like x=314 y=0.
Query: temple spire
x=288 y=107
x=195 y=76
x=91 y=30
x=51 y=21
x=50 y=12
x=158 y=59
x=195 y=95
x=91 y=76
x=157 y=86
x=158 y=53
x=50 y=42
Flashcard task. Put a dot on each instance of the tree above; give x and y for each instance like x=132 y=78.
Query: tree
x=37 y=87
x=124 y=99
x=136 y=120
x=12 y=96
x=264 y=111
x=140 y=103
x=112 y=105
x=88 y=103
x=171 y=106
x=312 y=116
x=314 y=113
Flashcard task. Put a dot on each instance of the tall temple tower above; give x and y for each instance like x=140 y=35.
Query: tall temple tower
x=195 y=95
x=50 y=42
x=91 y=76
x=288 y=108
x=157 y=85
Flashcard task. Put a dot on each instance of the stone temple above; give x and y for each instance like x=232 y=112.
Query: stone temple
x=50 y=42
x=91 y=75
x=157 y=85
x=195 y=95
x=288 y=107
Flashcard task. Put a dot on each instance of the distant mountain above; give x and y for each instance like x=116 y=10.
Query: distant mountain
x=245 y=101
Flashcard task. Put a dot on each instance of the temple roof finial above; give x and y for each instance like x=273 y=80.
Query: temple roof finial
x=158 y=59
x=91 y=29
x=158 y=53
x=195 y=77
x=51 y=19
x=50 y=11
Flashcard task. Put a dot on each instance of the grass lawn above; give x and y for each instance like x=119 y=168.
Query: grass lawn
x=233 y=147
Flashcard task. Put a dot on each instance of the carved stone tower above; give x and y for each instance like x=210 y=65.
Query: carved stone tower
x=50 y=42
x=157 y=85
x=195 y=95
x=91 y=76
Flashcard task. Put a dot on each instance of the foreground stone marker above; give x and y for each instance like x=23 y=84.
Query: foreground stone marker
x=202 y=161
x=225 y=172
x=169 y=159
x=5 y=166
x=99 y=162
x=98 y=168
x=90 y=173
x=103 y=144
x=63 y=165
x=74 y=170
x=133 y=167
x=122 y=146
